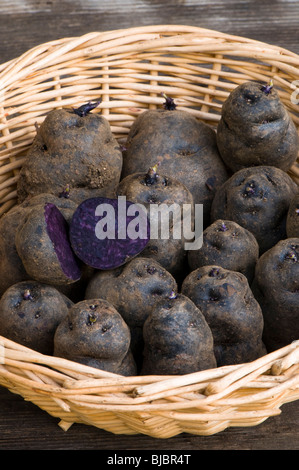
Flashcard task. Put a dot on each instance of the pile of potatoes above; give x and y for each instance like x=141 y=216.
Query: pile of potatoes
x=148 y=305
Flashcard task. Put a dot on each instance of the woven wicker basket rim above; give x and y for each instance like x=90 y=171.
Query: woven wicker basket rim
x=128 y=69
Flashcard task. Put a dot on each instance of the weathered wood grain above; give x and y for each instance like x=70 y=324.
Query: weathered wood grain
x=25 y=24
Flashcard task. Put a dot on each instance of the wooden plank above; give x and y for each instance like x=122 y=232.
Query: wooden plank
x=26 y=24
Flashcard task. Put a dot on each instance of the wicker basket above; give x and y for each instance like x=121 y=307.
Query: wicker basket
x=129 y=69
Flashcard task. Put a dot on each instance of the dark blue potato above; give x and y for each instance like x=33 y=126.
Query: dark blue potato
x=133 y=289
x=185 y=147
x=11 y=266
x=177 y=339
x=256 y=129
x=95 y=334
x=72 y=155
x=103 y=234
x=227 y=244
x=258 y=199
x=293 y=218
x=30 y=313
x=66 y=206
x=276 y=287
x=231 y=311
x=43 y=245
x=153 y=188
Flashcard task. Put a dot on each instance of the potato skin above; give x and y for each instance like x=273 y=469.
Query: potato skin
x=95 y=334
x=258 y=199
x=11 y=267
x=160 y=189
x=275 y=287
x=185 y=147
x=142 y=188
x=66 y=206
x=32 y=321
x=292 y=223
x=256 y=129
x=43 y=260
x=227 y=244
x=177 y=339
x=133 y=289
x=231 y=311
x=72 y=150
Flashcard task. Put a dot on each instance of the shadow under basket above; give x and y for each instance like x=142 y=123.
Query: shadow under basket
x=129 y=70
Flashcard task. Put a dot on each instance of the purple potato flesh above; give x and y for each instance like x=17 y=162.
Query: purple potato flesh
x=117 y=247
x=57 y=229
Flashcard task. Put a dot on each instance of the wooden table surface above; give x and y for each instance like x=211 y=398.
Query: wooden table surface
x=25 y=24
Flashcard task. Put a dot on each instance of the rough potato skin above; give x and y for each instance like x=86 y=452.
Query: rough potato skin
x=227 y=244
x=133 y=289
x=177 y=339
x=42 y=260
x=159 y=190
x=95 y=334
x=258 y=199
x=256 y=129
x=11 y=267
x=72 y=150
x=276 y=287
x=231 y=311
x=145 y=189
x=185 y=147
x=292 y=224
x=32 y=321
x=66 y=206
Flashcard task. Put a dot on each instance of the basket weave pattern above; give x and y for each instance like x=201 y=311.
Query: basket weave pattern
x=129 y=70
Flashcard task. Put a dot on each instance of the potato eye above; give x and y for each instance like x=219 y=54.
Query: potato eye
x=27 y=295
x=291 y=255
x=214 y=295
x=214 y=272
x=106 y=328
x=91 y=319
x=151 y=270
